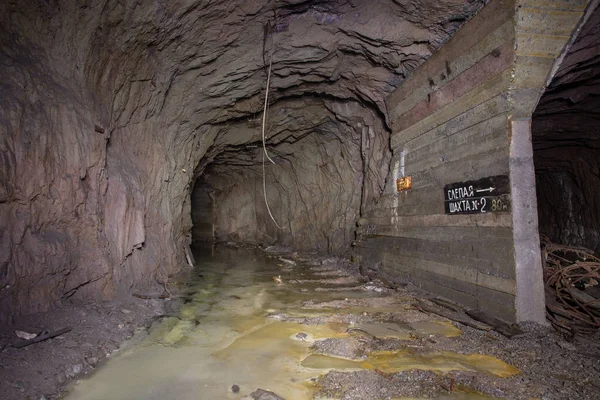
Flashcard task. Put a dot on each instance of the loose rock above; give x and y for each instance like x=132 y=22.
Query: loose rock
x=260 y=394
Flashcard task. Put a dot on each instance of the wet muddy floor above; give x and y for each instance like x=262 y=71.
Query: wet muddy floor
x=315 y=329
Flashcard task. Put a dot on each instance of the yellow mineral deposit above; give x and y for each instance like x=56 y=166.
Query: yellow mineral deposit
x=229 y=334
x=398 y=361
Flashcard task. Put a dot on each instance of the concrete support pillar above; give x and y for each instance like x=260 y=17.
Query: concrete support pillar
x=530 y=302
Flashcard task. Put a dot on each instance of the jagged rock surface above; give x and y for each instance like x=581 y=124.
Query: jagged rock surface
x=323 y=173
x=566 y=134
x=111 y=110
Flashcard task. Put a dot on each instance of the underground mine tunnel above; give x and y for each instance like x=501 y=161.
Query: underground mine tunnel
x=297 y=199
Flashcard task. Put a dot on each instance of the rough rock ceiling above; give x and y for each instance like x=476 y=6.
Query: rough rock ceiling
x=569 y=110
x=204 y=62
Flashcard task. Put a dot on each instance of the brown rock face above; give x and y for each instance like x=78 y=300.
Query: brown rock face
x=323 y=173
x=566 y=133
x=111 y=110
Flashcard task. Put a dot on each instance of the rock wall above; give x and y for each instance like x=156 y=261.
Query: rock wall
x=51 y=174
x=111 y=110
x=315 y=189
x=566 y=139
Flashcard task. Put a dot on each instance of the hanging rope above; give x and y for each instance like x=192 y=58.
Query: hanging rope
x=264 y=119
x=265 y=154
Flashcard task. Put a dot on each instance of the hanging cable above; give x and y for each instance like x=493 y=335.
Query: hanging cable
x=265 y=154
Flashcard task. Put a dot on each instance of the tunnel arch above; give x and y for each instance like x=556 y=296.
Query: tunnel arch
x=331 y=159
x=566 y=144
x=135 y=100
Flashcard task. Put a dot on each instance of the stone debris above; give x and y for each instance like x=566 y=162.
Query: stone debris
x=383 y=330
x=260 y=394
x=73 y=371
x=277 y=249
x=25 y=335
x=285 y=260
x=45 y=335
x=92 y=361
x=374 y=288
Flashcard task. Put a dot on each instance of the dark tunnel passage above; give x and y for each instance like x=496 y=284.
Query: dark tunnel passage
x=329 y=159
x=566 y=141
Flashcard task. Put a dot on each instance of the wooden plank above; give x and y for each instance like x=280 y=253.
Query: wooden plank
x=450 y=233
x=453 y=315
x=574 y=5
x=457 y=272
x=465 y=299
x=461 y=293
x=543 y=21
x=473 y=220
x=465 y=277
x=492 y=257
x=496 y=254
x=410 y=205
x=486 y=21
x=493 y=64
x=391 y=266
x=449 y=140
x=487 y=270
x=488 y=90
x=504 y=310
x=505 y=299
x=41 y=337
x=537 y=45
x=456 y=284
x=415 y=195
x=447 y=304
x=488 y=163
x=487 y=136
x=419 y=209
x=505 y=33
x=476 y=115
x=510 y=331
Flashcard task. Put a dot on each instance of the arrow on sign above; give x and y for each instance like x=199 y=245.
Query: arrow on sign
x=490 y=189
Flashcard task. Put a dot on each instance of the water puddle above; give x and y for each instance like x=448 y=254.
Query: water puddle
x=222 y=335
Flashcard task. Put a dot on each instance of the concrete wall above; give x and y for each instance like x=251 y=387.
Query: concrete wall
x=463 y=116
